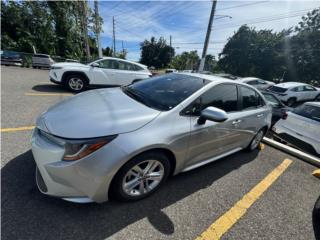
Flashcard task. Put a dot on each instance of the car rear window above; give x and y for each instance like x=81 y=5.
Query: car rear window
x=308 y=111
x=278 y=89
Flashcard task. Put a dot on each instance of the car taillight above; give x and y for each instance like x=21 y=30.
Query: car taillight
x=284 y=115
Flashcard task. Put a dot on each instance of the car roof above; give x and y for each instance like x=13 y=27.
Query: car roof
x=211 y=78
x=290 y=84
x=249 y=78
x=316 y=104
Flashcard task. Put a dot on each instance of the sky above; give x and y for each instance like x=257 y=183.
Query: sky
x=186 y=21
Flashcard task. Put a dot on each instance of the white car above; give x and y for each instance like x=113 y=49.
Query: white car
x=292 y=92
x=301 y=127
x=258 y=83
x=104 y=71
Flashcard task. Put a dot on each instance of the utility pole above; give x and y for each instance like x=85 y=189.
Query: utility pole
x=170 y=41
x=206 y=42
x=97 y=27
x=84 y=23
x=114 y=38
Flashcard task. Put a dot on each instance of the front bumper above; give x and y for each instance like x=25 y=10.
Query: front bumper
x=84 y=180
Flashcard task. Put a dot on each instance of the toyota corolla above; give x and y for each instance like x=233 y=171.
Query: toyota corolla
x=125 y=142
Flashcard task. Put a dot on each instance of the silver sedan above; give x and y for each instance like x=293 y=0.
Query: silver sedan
x=125 y=142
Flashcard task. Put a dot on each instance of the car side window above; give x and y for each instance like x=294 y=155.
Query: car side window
x=252 y=82
x=250 y=99
x=309 y=88
x=224 y=96
x=261 y=81
x=109 y=64
x=298 y=89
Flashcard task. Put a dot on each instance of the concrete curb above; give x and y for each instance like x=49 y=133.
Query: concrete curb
x=295 y=152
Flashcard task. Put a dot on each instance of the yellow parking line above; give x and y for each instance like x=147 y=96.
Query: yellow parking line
x=48 y=94
x=17 y=129
x=227 y=220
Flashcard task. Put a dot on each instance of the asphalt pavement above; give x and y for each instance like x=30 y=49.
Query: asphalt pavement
x=185 y=207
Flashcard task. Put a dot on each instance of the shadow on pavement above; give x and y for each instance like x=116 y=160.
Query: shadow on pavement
x=51 y=88
x=28 y=214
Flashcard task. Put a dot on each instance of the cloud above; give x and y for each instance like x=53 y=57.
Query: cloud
x=186 y=21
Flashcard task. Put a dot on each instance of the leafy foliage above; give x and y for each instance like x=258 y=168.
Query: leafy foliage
x=53 y=27
x=294 y=56
x=156 y=53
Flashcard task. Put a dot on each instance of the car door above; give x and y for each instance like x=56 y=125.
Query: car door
x=104 y=73
x=310 y=92
x=125 y=73
x=253 y=113
x=212 y=138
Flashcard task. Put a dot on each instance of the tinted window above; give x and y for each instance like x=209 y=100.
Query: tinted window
x=252 y=82
x=110 y=64
x=308 y=111
x=250 y=99
x=309 y=88
x=298 y=89
x=166 y=91
x=223 y=96
x=278 y=89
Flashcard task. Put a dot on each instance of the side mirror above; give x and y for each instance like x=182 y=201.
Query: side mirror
x=95 y=64
x=212 y=114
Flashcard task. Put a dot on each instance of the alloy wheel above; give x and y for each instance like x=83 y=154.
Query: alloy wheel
x=143 y=178
x=257 y=139
x=76 y=84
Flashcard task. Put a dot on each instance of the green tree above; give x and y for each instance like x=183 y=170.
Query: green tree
x=186 y=61
x=156 y=53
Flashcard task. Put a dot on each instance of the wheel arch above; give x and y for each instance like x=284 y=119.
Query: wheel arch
x=168 y=153
x=68 y=73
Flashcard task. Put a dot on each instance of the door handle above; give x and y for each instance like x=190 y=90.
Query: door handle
x=260 y=115
x=236 y=121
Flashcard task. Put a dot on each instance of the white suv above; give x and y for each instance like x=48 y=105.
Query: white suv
x=105 y=71
x=292 y=92
x=301 y=127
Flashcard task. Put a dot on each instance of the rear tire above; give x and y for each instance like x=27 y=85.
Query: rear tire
x=255 y=142
x=133 y=182
x=75 y=83
x=291 y=102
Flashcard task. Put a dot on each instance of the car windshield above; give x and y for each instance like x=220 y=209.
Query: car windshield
x=308 y=111
x=277 y=89
x=164 y=92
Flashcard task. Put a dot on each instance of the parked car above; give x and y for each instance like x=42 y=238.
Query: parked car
x=292 y=92
x=258 y=83
x=279 y=109
x=105 y=71
x=171 y=70
x=227 y=75
x=126 y=141
x=11 y=58
x=301 y=127
x=42 y=61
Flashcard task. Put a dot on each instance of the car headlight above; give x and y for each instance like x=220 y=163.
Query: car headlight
x=54 y=67
x=77 y=149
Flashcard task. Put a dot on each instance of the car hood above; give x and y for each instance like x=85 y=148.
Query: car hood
x=70 y=64
x=96 y=113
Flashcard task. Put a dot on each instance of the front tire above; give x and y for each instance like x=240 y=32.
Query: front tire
x=317 y=99
x=254 y=144
x=75 y=83
x=140 y=177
